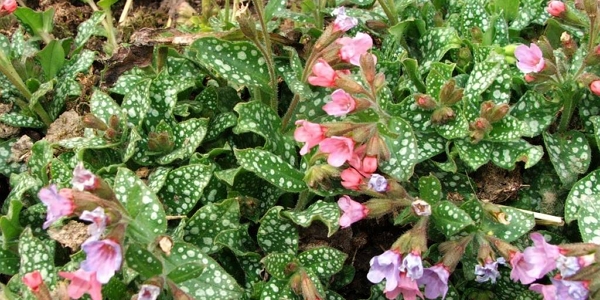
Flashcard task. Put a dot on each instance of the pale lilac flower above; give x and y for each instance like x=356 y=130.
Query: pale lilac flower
x=58 y=204
x=521 y=268
x=567 y=265
x=435 y=280
x=309 y=133
x=406 y=286
x=98 y=219
x=103 y=257
x=488 y=272
x=541 y=255
x=353 y=48
x=385 y=266
x=353 y=211
x=547 y=291
x=530 y=58
x=421 y=208
x=341 y=104
x=378 y=183
x=342 y=21
x=339 y=148
x=570 y=290
x=83 y=282
x=83 y=179
x=148 y=292
x=412 y=265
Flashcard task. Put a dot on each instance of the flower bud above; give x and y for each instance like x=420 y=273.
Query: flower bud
x=348 y=84
x=378 y=207
x=177 y=293
x=476 y=35
x=247 y=26
x=93 y=122
x=369 y=164
x=377 y=147
x=498 y=112
x=453 y=251
x=425 y=101
x=509 y=50
x=504 y=248
x=367 y=66
x=569 y=46
x=546 y=48
x=320 y=176
x=450 y=95
x=114 y=122
x=556 y=8
x=591 y=8
x=379 y=81
x=160 y=142
x=331 y=54
x=595 y=87
x=442 y=115
x=328 y=36
x=7 y=7
x=465 y=57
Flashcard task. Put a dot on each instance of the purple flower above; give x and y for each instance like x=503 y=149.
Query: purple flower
x=148 y=292
x=103 y=257
x=84 y=180
x=413 y=265
x=386 y=265
x=488 y=272
x=529 y=58
x=541 y=255
x=548 y=291
x=378 y=183
x=58 y=204
x=342 y=21
x=570 y=290
x=435 y=280
x=567 y=265
x=98 y=219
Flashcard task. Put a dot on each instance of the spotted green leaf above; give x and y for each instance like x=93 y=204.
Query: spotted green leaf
x=87 y=28
x=439 y=74
x=136 y=103
x=589 y=106
x=473 y=208
x=271 y=168
x=142 y=205
x=142 y=261
x=435 y=43
x=326 y=212
x=474 y=155
x=402 y=144
x=530 y=11
x=36 y=255
x=85 y=142
x=450 y=219
x=505 y=288
x=238 y=240
x=596 y=123
x=199 y=275
x=277 y=289
x=9 y=224
x=302 y=89
x=506 y=155
x=163 y=93
x=41 y=155
x=455 y=128
x=203 y=227
x=323 y=261
x=535 y=112
x=60 y=172
x=277 y=264
x=220 y=124
x=183 y=186
x=19 y=120
x=103 y=107
x=9 y=262
x=239 y=62
x=429 y=144
x=188 y=135
x=66 y=85
x=277 y=234
x=519 y=223
x=258 y=190
x=506 y=130
x=7 y=165
x=583 y=205
x=483 y=75
x=473 y=15
x=430 y=189
x=569 y=153
x=157 y=179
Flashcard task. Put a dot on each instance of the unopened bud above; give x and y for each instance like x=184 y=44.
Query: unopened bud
x=91 y=121
x=377 y=147
x=509 y=50
x=111 y=134
x=498 y=113
x=247 y=26
x=529 y=78
x=331 y=54
x=177 y=293
x=320 y=176
x=476 y=35
x=486 y=108
x=595 y=87
x=544 y=45
x=348 y=84
x=504 y=248
x=442 y=115
x=328 y=36
x=465 y=57
x=114 y=122
x=450 y=95
x=569 y=46
x=378 y=207
x=453 y=251
x=591 y=8
x=379 y=81
x=479 y=128
x=367 y=66
x=425 y=101
x=160 y=142
x=376 y=25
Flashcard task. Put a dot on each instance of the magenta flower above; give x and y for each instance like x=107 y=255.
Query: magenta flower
x=351 y=179
x=33 y=280
x=542 y=256
x=341 y=104
x=353 y=48
x=556 y=8
x=595 y=86
x=83 y=282
x=324 y=74
x=378 y=183
x=353 y=211
x=435 y=280
x=548 y=291
x=339 y=148
x=530 y=58
x=98 y=219
x=7 y=7
x=412 y=265
x=148 y=292
x=407 y=287
x=83 y=179
x=58 y=204
x=385 y=266
x=104 y=257
x=342 y=21
x=310 y=133
x=521 y=269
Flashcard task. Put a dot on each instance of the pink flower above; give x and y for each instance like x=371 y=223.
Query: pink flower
x=341 y=104
x=412 y=265
x=84 y=180
x=407 y=287
x=548 y=291
x=98 y=219
x=435 y=280
x=353 y=48
x=369 y=164
x=353 y=211
x=148 y=292
x=595 y=87
x=310 y=133
x=520 y=269
x=385 y=266
x=8 y=7
x=324 y=74
x=339 y=148
x=83 y=282
x=351 y=179
x=59 y=204
x=530 y=58
x=343 y=22
x=33 y=280
x=102 y=257
x=556 y=8
x=542 y=256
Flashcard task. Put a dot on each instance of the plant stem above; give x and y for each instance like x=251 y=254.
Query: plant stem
x=267 y=53
x=302 y=201
x=296 y=99
x=9 y=71
x=570 y=101
x=108 y=25
x=390 y=12
x=125 y=12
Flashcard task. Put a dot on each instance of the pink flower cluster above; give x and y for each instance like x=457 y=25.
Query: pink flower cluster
x=530 y=59
x=405 y=276
x=7 y=7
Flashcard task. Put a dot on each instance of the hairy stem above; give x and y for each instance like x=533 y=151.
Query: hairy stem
x=267 y=53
